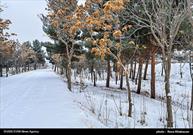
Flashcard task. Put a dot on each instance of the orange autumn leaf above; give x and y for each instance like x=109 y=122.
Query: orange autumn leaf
x=102 y=42
x=117 y=33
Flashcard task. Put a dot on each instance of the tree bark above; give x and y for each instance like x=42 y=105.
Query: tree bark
x=7 y=70
x=25 y=68
x=116 y=72
x=191 y=74
x=12 y=71
x=16 y=69
x=145 y=70
x=94 y=77
x=92 y=70
x=1 y=71
x=54 y=68
x=136 y=76
x=28 y=67
x=131 y=69
x=61 y=70
x=121 y=78
x=153 y=75
x=69 y=73
x=35 y=66
x=129 y=95
x=116 y=77
x=191 y=106
x=108 y=72
x=167 y=68
x=162 y=72
x=134 y=70
x=140 y=75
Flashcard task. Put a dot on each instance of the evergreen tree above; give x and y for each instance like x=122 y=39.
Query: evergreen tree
x=40 y=56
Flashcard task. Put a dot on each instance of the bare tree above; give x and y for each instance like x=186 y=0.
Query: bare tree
x=163 y=18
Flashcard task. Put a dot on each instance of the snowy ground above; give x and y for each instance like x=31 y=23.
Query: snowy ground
x=110 y=108
x=107 y=103
x=39 y=99
x=180 y=87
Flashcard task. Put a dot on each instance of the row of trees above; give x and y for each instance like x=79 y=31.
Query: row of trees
x=122 y=33
x=19 y=57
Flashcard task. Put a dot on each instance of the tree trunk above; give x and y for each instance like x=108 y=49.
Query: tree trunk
x=129 y=95
x=116 y=77
x=1 y=71
x=54 y=68
x=153 y=75
x=75 y=73
x=181 y=74
x=162 y=72
x=131 y=69
x=57 y=69
x=139 y=75
x=28 y=67
x=103 y=76
x=116 y=73
x=121 y=79
x=145 y=71
x=134 y=70
x=20 y=68
x=25 y=68
x=136 y=77
x=62 y=71
x=100 y=76
x=92 y=71
x=66 y=72
x=12 y=71
x=91 y=74
x=35 y=66
x=94 y=77
x=191 y=105
x=169 y=103
x=108 y=72
x=16 y=69
x=69 y=73
x=7 y=70
x=191 y=74
x=167 y=67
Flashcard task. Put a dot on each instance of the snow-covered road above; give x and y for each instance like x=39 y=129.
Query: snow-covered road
x=38 y=99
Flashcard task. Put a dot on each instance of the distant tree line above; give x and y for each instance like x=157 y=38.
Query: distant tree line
x=18 y=57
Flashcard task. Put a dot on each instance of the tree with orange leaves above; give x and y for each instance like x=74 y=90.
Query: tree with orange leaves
x=6 y=45
x=64 y=20
x=100 y=24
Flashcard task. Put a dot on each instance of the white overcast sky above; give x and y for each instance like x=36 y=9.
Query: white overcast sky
x=24 y=17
